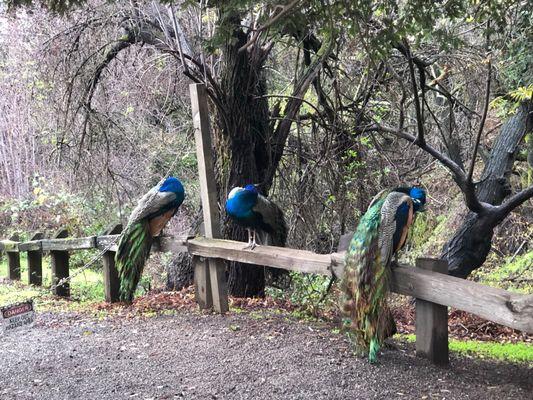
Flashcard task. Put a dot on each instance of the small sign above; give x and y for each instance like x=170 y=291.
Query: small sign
x=16 y=316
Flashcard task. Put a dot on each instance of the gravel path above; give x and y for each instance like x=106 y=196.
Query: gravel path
x=196 y=356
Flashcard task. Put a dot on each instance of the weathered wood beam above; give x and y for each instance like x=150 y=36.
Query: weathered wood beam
x=61 y=244
x=9 y=246
x=510 y=309
x=278 y=257
x=32 y=245
x=103 y=242
x=498 y=305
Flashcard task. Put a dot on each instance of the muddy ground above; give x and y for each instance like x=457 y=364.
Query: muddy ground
x=192 y=355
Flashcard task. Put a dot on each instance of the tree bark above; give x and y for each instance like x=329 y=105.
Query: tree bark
x=470 y=246
x=241 y=140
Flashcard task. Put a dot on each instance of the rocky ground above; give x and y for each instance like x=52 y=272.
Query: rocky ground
x=194 y=355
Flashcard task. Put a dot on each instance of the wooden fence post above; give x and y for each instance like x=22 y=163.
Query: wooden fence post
x=344 y=241
x=35 y=263
x=202 y=284
x=208 y=191
x=60 y=267
x=111 y=281
x=432 y=320
x=13 y=261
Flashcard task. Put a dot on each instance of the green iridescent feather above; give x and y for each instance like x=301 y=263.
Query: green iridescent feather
x=133 y=251
x=367 y=317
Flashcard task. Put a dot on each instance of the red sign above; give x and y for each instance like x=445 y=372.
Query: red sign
x=15 y=316
x=16 y=309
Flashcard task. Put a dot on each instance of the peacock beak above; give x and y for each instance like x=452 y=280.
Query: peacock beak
x=420 y=207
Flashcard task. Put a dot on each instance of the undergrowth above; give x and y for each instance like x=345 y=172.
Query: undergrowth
x=86 y=288
x=309 y=292
x=516 y=274
x=511 y=352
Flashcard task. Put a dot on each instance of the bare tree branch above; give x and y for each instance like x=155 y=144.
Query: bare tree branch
x=295 y=101
x=467 y=187
x=420 y=140
x=512 y=202
x=268 y=24
x=485 y=109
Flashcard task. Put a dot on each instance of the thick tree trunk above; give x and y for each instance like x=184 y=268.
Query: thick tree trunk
x=180 y=270
x=242 y=146
x=470 y=246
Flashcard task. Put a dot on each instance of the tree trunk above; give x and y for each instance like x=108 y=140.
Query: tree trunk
x=180 y=270
x=470 y=246
x=248 y=146
x=241 y=142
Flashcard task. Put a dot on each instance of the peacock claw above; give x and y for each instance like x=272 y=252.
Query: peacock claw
x=250 y=246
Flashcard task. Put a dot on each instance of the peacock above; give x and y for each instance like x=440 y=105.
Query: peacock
x=248 y=208
x=146 y=221
x=381 y=232
x=261 y=217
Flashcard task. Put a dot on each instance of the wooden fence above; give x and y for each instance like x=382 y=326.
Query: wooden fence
x=427 y=282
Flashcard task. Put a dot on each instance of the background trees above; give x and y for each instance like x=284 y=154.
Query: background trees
x=322 y=103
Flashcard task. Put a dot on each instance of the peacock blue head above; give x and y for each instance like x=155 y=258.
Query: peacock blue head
x=172 y=184
x=251 y=188
x=419 y=198
x=241 y=201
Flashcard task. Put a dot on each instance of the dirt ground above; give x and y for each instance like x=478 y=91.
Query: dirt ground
x=192 y=355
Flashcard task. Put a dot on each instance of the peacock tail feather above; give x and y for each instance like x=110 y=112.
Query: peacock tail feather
x=277 y=236
x=367 y=317
x=133 y=251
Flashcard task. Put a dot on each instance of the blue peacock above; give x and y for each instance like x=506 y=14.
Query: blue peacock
x=261 y=217
x=381 y=232
x=248 y=208
x=146 y=221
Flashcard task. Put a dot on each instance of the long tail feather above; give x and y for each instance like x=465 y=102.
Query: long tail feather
x=373 y=351
x=365 y=287
x=133 y=251
x=275 y=277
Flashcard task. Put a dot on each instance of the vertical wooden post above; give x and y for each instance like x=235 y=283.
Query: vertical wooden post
x=344 y=242
x=111 y=281
x=208 y=191
x=60 y=267
x=202 y=284
x=13 y=261
x=35 y=263
x=432 y=320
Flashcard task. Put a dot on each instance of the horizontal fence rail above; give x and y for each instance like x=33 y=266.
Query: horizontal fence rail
x=511 y=309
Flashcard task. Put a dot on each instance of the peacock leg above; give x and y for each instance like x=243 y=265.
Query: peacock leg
x=394 y=261
x=254 y=243
x=249 y=245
